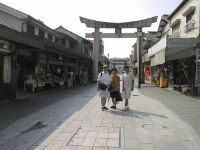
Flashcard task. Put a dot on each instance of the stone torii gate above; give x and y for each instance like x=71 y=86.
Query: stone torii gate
x=97 y=35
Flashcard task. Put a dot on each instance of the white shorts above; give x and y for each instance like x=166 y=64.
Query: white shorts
x=126 y=94
x=104 y=93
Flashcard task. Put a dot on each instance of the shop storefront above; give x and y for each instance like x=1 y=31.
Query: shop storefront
x=26 y=62
x=147 y=69
x=5 y=69
x=182 y=76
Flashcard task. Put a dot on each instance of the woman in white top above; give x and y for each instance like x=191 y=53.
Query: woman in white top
x=128 y=83
x=105 y=79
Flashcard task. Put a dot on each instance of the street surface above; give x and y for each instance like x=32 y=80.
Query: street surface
x=71 y=119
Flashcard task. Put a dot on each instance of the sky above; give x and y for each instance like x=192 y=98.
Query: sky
x=66 y=13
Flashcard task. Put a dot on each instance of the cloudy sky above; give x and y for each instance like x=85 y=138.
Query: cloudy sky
x=66 y=13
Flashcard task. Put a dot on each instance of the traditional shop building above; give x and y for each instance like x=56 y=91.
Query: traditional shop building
x=173 y=55
x=146 y=67
x=33 y=54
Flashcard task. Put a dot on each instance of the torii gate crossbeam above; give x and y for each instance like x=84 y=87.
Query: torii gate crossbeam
x=118 y=26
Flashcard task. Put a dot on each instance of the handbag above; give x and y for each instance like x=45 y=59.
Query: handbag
x=102 y=86
x=110 y=88
x=119 y=97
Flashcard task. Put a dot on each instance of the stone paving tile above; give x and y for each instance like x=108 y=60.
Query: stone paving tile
x=148 y=147
x=100 y=148
x=83 y=148
x=160 y=144
x=100 y=143
x=141 y=131
x=131 y=144
x=113 y=135
x=94 y=129
x=80 y=134
x=91 y=135
x=54 y=145
x=190 y=145
x=76 y=141
x=102 y=135
x=113 y=143
x=88 y=142
x=63 y=137
x=104 y=129
x=68 y=147
x=144 y=138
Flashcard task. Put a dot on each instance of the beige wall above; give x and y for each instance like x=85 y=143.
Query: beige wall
x=11 y=21
x=179 y=15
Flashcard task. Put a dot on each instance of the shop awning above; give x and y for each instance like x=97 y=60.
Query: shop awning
x=157 y=52
x=180 y=48
x=171 y=49
x=4 y=50
x=158 y=58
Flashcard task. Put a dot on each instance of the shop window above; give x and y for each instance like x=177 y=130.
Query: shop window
x=57 y=40
x=63 y=42
x=30 y=29
x=176 y=30
x=41 y=33
x=190 y=21
x=50 y=37
x=72 y=45
x=86 y=51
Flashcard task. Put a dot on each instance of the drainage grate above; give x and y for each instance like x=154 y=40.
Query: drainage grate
x=154 y=126
x=96 y=136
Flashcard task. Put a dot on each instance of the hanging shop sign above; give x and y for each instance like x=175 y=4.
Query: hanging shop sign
x=7 y=69
x=4 y=46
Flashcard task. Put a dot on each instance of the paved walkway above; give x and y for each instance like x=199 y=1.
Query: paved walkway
x=77 y=123
x=186 y=107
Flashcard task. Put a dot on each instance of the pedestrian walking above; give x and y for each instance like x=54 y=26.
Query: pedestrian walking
x=70 y=79
x=103 y=82
x=127 y=85
x=115 y=88
x=85 y=77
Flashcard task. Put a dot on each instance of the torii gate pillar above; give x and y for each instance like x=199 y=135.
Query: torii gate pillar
x=139 y=56
x=95 y=54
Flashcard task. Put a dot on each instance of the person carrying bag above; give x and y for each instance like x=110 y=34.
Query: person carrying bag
x=115 y=91
x=103 y=82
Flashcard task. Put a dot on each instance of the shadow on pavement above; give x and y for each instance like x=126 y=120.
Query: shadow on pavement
x=11 y=111
x=185 y=107
x=133 y=113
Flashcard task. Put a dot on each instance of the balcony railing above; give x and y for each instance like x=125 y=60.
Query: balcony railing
x=190 y=25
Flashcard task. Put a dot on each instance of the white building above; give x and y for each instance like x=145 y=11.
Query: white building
x=174 y=51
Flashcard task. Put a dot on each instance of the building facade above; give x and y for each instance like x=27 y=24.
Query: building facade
x=35 y=56
x=173 y=55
